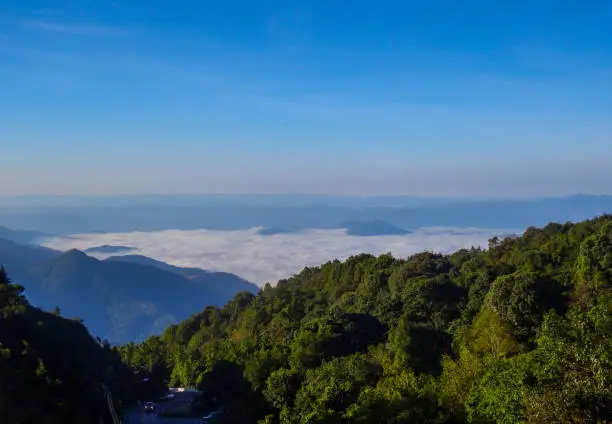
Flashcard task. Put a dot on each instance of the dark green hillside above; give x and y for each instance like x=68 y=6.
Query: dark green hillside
x=51 y=370
x=519 y=333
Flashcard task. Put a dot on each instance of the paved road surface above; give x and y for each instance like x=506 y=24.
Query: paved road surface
x=139 y=416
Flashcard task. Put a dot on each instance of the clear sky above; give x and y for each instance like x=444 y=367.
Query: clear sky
x=329 y=96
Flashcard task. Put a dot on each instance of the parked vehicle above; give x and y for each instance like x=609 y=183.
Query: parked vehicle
x=168 y=396
x=209 y=417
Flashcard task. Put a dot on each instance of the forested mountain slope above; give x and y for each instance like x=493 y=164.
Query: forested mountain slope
x=51 y=370
x=521 y=332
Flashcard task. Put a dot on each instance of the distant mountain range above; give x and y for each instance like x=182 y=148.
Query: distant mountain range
x=372 y=228
x=376 y=227
x=17 y=255
x=272 y=231
x=109 y=249
x=121 y=298
x=140 y=214
x=20 y=236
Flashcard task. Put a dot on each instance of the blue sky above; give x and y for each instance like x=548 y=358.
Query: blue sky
x=438 y=98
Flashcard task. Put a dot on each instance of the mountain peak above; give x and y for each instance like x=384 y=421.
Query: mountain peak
x=76 y=253
x=376 y=227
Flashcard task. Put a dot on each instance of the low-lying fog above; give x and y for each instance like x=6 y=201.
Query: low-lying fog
x=268 y=258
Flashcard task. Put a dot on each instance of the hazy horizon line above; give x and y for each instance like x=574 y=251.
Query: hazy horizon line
x=297 y=194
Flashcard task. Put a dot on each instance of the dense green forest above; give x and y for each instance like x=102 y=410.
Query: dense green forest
x=51 y=370
x=519 y=332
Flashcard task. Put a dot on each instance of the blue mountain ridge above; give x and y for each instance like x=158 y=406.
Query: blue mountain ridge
x=120 y=299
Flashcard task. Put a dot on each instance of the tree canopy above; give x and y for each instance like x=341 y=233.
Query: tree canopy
x=518 y=333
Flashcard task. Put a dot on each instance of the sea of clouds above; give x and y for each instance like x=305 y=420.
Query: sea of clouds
x=268 y=258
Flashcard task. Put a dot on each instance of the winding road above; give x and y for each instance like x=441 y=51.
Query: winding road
x=137 y=415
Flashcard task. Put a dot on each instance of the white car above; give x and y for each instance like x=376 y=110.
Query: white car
x=168 y=396
x=209 y=417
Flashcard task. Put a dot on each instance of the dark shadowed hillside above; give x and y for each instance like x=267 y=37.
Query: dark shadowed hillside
x=51 y=369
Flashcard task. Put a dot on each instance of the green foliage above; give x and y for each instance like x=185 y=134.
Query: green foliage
x=282 y=386
x=398 y=399
x=417 y=346
x=51 y=369
x=458 y=380
x=489 y=335
x=520 y=332
x=573 y=365
x=521 y=298
x=225 y=389
x=334 y=387
x=10 y=294
x=339 y=335
x=499 y=395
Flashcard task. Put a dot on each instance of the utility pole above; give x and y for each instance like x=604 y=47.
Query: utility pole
x=111 y=405
x=109 y=398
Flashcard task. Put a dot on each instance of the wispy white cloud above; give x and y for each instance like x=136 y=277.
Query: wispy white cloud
x=264 y=259
x=75 y=28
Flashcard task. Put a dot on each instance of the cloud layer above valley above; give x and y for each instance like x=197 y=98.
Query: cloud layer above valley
x=262 y=259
